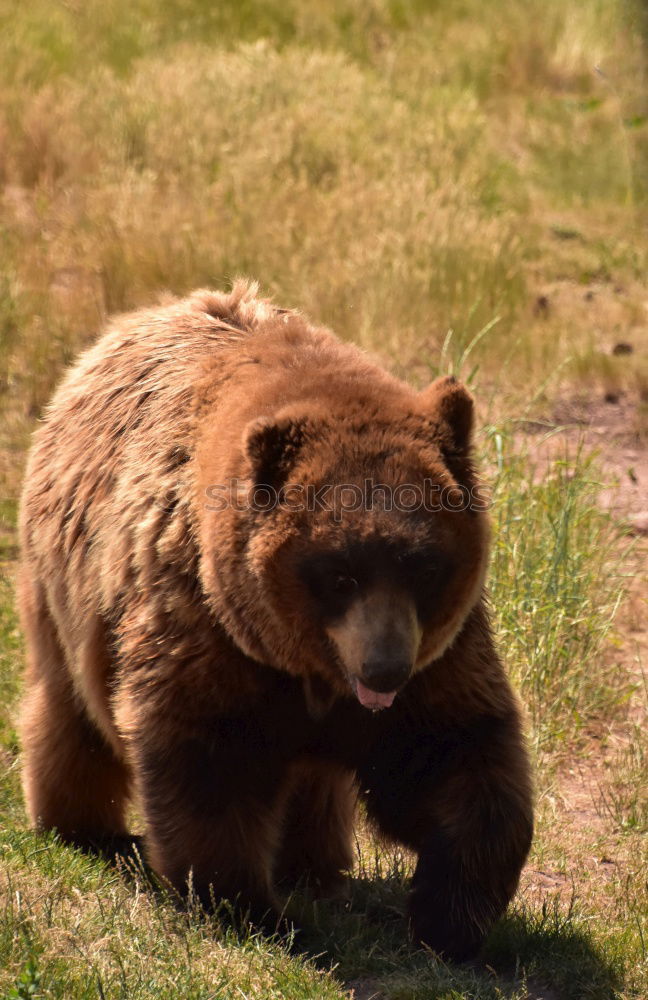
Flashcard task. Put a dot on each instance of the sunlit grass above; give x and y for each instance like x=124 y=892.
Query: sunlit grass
x=396 y=169
x=555 y=586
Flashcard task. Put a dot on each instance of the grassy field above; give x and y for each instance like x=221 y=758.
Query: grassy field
x=458 y=186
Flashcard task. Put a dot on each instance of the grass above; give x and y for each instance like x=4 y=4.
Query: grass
x=456 y=187
x=397 y=169
x=554 y=589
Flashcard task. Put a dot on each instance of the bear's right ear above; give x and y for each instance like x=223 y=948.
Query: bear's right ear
x=271 y=447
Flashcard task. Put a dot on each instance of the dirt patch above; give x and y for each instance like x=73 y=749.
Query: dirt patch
x=578 y=424
x=538 y=992
x=363 y=989
x=608 y=430
x=578 y=803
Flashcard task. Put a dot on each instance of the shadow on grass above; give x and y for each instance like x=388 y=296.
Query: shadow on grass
x=545 y=953
x=532 y=953
x=553 y=947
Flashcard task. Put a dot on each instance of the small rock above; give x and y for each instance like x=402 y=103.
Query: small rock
x=564 y=233
x=611 y=396
x=638 y=523
x=622 y=348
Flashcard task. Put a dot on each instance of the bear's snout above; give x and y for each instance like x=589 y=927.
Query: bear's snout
x=384 y=674
x=377 y=641
x=380 y=679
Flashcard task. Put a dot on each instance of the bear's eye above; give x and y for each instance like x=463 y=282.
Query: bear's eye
x=330 y=583
x=342 y=583
x=425 y=568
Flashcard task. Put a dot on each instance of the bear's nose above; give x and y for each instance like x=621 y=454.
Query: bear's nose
x=385 y=674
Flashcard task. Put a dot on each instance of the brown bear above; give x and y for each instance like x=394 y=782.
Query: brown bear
x=252 y=590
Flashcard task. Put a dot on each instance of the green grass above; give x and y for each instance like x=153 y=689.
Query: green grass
x=76 y=929
x=554 y=588
x=455 y=187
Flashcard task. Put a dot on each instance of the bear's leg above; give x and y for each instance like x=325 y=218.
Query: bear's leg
x=317 y=829
x=71 y=777
x=210 y=790
x=462 y=801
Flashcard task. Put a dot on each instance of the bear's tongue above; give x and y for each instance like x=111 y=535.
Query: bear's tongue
x=373 y=699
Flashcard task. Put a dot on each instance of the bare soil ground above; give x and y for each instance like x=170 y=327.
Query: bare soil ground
x=580 y=798
x=610 y=431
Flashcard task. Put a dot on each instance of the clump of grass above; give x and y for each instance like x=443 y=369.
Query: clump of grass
x=77 y=929
x=552 y=942
x=553 y=587
x=625 y=795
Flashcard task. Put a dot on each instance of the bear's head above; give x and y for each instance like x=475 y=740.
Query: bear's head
x=357 y=543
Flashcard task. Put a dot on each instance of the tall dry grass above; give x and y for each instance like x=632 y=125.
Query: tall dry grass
x=395 y=169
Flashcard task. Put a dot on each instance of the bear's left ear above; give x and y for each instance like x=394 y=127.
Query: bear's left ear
x=271 y=447
x=450 y=407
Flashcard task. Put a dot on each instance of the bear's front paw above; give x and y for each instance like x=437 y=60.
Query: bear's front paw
x=435 y=926
x=446 y=914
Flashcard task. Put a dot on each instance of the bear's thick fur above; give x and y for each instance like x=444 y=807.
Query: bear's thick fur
x=211 y=618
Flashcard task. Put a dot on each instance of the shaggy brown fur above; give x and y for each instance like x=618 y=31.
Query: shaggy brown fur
x=217 y=659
